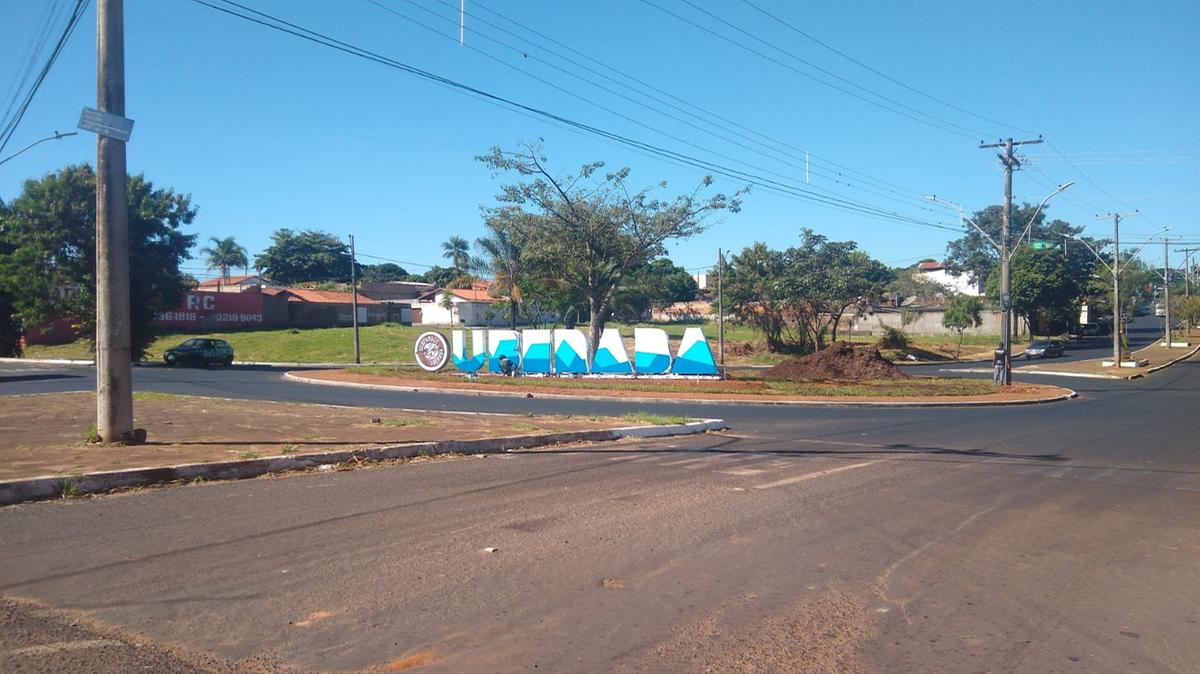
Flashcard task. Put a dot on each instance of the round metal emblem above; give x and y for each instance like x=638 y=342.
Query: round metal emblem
x=432 y=351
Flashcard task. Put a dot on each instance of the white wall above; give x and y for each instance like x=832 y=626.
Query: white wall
x=960 y=283
x=466 y=313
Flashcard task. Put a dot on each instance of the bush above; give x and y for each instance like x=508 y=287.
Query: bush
x=893 y=338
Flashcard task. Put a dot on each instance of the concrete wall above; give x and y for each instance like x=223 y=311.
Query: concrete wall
x=466 y=313
x=927 y=323
x=314 y=315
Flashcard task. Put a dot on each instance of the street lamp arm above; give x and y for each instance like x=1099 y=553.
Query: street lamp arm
x=1093 y=250
x=1144 y=244
x=1029 y=225
x=56 y=136
x=963 y=218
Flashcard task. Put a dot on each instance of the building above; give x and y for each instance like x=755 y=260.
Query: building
x=469 y=307
x=235 y=284
x=395 y=290
x=328 y=308
x=959 y=283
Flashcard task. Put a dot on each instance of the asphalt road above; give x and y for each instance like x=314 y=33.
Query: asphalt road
x=1055 y=537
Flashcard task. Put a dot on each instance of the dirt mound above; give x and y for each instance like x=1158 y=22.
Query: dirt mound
x=838 y=361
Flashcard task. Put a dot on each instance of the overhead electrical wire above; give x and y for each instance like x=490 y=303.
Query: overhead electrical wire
x=924 y=118
x=794 y=162
x=10 y=125
x=875 y=71
x=280 y=25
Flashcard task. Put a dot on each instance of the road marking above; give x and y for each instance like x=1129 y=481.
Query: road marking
x=686 y=461
x=58 y=647
x=742 y=472
x=810 y=476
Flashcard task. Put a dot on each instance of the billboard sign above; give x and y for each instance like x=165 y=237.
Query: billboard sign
x=565 y=352
x=200 y=309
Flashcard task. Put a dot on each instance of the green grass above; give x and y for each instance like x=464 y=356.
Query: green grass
x=155 y=395
x=649 y=419
x=403 y=423
x=749 y=384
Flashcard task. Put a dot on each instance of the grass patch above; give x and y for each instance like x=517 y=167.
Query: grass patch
x=246 y=456
x=287 y=449
x=523 y=426
x=71 y=486
x=649 y=419
x=90 y=437
x=155 y=395
x=404 y=423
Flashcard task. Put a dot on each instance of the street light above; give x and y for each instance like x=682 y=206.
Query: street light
x=56 y=136
x=1005 y=260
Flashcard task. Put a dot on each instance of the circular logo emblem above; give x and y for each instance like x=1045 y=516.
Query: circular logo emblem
x=432 y=351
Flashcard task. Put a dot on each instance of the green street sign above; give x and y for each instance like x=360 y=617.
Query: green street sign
x=1043 y=245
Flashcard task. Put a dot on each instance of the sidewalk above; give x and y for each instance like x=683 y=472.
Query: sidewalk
x=1156 y=355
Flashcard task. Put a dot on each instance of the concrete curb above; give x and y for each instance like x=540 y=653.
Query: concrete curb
x=52 y=487
x=1169 y=363
x=47 y=361
x=730 y=402
x=1135 y=375
x=159 y=363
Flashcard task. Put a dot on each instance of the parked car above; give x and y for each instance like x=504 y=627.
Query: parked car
x=200 y=351
x=1044 y=348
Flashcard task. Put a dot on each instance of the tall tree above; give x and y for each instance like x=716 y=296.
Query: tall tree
x=458 y=251
x=502 y=260
x=755 y=295
x=974 y=255
x=311 y=255
x=223 y=255
x=383 y=273
x=593 y=229
x=10 y=323
x=1044 y=285
x=50 y=231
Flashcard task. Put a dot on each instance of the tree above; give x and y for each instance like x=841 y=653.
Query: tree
x=1045 y=285
x=965 y=311
x=50 y=233
x=383 y=273
x=593 y=230
x=825 y=278
x=223 y=255
x=441 y=277
x=974 y=255
x=755 y=295
x=310 y=255
x=656 y=285
x=501 y=259
x=458 y=251
x=909 y=282
x=10 y=323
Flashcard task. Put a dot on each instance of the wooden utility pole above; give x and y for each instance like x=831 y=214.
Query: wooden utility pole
x=721 y=310
x=114 y=375
x=1116 y=272
x=354 y=301
x=1167 y=292
x=1187 y=269
x=1010 y=162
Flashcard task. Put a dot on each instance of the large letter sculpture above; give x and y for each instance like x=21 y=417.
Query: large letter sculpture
x=611 y=357
x=694 y=356
x=651 y=351
x=459 y=350
x=503 y=343
x=535 y=351
x=570 y=352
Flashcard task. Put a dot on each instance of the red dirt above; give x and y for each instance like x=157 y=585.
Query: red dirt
x=839 y=361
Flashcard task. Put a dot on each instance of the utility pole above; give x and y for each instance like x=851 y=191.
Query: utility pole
x=1010 y=162
x=1187 y=269
x=1116 y=272
x=354 y=301
x=1167 y=292
x=114 y=375
x=721 y=310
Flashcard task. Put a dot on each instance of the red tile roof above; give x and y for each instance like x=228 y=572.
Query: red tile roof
x=930 y=266
x=324 y=296
x=233 y=280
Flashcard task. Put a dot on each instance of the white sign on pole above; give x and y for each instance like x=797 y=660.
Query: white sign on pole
x=106 y=124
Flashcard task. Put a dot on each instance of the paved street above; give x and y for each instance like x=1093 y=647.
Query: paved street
x=1055 y=537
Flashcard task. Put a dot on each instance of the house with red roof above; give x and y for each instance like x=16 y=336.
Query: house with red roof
x=469 y=307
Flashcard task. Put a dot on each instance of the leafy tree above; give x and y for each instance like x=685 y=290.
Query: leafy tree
x=50 y=234
x=502 y=260
x=965 y=311
x=458 y=251
x=310 y=255
x=825 y=278
x=223 y=255
x=975 y=256
x=10 y=324
x=753 y=288
x=442 y=277
x=909 y=282
x=384 y=273
x=656 y=285
x=1044 y=284
x=592 y=231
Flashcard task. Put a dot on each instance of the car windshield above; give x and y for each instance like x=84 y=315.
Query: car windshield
x=1040 y=344
x=193 y=342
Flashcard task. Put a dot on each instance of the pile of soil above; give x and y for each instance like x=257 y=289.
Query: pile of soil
x=839 y=361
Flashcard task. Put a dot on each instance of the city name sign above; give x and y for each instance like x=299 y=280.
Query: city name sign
x=564 y=352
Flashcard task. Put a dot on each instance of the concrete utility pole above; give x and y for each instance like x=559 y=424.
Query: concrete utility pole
x=1187 y=269
x=1010 y=162
x=1166 y=292
x=1116 y=272
x=354 y=301
x=721 y=309
x=114 y=385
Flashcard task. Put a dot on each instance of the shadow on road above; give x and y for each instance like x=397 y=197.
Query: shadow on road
x=4 y=379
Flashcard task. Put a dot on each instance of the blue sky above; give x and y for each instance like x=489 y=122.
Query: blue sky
x=266 y=131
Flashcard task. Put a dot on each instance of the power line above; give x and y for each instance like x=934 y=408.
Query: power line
x=11 y=126
x=944 y=125
x=605 y=108
x=885 y=76
x=772 y=185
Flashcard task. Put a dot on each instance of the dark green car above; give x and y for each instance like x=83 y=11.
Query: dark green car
x=200 y=351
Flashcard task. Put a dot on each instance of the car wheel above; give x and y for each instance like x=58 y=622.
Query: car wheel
x=170 y=359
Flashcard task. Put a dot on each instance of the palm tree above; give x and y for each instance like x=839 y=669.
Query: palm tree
x=458 y=251
x=223 y=255
x=502 y=259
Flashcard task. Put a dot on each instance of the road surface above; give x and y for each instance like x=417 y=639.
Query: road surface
x=1058 y=537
